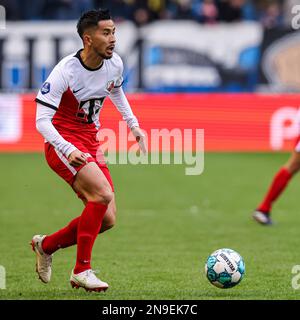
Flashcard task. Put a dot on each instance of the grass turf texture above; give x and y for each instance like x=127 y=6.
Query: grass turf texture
x=168 y=224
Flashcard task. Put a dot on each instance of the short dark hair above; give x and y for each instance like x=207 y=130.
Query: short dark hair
x=90 y=19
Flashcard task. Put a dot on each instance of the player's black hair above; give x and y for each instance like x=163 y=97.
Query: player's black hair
x=90 y=19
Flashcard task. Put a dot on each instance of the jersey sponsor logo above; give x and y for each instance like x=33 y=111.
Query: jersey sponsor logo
x=88 y=110
x=110 y=85
x=45 y=88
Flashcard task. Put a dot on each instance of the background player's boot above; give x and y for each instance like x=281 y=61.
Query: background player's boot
x=43 y=260
x=88 y=281
x=262 y=217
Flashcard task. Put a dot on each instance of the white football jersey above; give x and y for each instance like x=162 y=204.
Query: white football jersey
x=77 y=92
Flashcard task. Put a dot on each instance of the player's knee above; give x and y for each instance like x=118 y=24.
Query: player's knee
x=101 y=195
x=293 y=167
x=295 y=170
x=104 y=196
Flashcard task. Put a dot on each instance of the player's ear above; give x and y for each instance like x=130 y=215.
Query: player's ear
x=87 y=39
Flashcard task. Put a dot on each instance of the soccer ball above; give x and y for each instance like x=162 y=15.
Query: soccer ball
x=225 y=268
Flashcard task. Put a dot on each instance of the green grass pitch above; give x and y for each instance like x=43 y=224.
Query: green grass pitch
x=168 y=224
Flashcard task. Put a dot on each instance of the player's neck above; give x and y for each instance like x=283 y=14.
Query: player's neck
x=90 y=59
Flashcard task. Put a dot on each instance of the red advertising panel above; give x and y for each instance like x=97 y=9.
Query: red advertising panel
x=231 y=122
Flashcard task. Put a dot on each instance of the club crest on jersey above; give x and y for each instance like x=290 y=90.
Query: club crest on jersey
x=45 y=88
x=110 y=85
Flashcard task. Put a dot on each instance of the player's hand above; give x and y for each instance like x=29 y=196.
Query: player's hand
x=77 y=158
x=140 y=138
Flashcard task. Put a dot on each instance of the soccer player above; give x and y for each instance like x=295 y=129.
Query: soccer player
x=280 y=181
x=68 y=108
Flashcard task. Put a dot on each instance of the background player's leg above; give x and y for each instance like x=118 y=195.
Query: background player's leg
x=280 y=182
x=67 y=236
x=293 y=164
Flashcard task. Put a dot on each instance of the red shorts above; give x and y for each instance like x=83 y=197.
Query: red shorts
x=59 y=163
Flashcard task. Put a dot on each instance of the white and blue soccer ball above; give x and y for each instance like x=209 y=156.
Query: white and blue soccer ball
x=225 y=268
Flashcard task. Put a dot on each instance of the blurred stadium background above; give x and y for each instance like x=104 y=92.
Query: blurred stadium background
x=230 y=67
x=212 y=47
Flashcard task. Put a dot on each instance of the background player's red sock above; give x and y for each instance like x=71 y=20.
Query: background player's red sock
x=88 y=227
x=63 y=238
x=279 y=183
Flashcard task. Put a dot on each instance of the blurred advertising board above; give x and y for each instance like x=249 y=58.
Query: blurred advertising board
x=231 y=122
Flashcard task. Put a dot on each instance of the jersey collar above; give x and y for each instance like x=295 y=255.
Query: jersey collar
x=77 y=55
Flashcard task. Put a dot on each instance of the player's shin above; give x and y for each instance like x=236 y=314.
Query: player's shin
x=88 y=227
x=63 y=238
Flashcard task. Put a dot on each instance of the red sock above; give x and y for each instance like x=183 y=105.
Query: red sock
x=63 y=238
x=279 y=183
x=88 y=228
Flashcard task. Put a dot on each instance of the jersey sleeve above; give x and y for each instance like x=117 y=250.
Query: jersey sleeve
x=120 y=80
x=119 y=99
x=47 y=130
x=53 y=88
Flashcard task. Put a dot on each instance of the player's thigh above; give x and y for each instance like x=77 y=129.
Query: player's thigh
x=92 y=184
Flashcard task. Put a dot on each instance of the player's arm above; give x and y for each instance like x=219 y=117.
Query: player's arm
x=44 y=125
x=48 y=100
x=119 y=99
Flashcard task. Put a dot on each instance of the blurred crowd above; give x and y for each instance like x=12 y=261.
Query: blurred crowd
x=271 y=13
